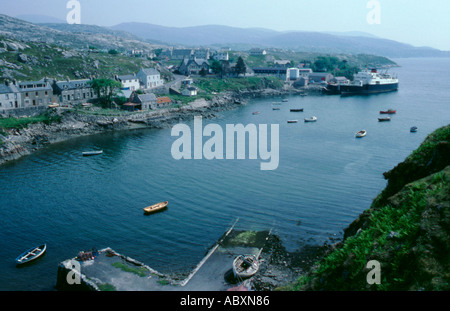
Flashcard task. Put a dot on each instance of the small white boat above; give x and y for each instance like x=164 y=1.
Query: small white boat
x=361 y=134
x=31 y=254
x=245 y=266
x=92 y=153
x=312 y=119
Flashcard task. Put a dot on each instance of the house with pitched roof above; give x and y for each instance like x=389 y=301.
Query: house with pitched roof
x=10 y=97
x=73 y=92
x=129 y=82
x=150 y=78
x=144 y=101
x=193 y=66
x=36 y=93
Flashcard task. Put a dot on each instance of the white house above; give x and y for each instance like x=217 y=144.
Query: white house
x=150 y=78
x=129 y=82
x=222 y=56
x=9 y=96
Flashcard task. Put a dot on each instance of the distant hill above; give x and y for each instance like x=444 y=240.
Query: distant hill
x=349 y=42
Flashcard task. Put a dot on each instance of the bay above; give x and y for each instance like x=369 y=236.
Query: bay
x=325 y=179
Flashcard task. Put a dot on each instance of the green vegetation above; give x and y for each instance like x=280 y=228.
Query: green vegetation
x=107 y=287
x=210 y=85
x=18 y=123
x=106 y=90
x=140 y=271
x=52 y=61
x=406 y=230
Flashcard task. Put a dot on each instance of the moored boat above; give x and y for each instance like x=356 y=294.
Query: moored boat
x=92 y=153
x=31 y=254
x=275 y=108
x=413 y=129
x=255 y=113
x=292 y=121
x=156 y=207
x=312 y=119
x=384 y=119
x=361 y=134
x=370 y=82
x=390 y=111
x=297 y=110
x=245 y=266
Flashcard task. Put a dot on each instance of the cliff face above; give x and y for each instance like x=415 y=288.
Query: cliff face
x=407 y=230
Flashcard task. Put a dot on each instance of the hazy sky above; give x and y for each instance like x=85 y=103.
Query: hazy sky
x=417 y=22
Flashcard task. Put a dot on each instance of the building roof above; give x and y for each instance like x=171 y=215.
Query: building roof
x=163 y=100
x=35 y=86
x=143 y=98
x=127 y=77
x=72 y=84
x=4 y=89
x=150 y=71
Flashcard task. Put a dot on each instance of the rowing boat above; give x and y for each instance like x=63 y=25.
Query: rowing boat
x=156 y=207
x=31 y=254
x=245 y=266
x=361 y=134
x=92 y=153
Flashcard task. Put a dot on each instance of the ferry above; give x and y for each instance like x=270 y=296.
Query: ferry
x=370 y=82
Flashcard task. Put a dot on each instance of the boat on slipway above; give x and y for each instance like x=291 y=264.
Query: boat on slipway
x=245 y=266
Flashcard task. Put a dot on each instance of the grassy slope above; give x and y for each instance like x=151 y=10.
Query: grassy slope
x=50 y=62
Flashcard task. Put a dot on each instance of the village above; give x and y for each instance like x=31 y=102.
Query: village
x=148 y=89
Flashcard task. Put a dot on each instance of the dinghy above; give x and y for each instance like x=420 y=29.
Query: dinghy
x=245 y=266
x=92 y=153
x=361 y=134
x=156 y=207
x=31 y=254
x=312 y=119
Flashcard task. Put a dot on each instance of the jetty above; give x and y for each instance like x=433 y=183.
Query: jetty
x=110 y=270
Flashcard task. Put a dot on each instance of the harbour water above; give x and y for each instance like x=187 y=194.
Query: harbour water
x=325 y=179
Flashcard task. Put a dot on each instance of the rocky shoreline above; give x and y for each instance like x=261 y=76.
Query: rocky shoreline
x=16 y=143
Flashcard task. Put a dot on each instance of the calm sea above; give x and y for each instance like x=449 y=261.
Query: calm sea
x=325 y=179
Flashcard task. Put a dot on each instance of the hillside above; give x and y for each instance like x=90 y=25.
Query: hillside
x=36 y=60
x=244 y=38
x=407 y=230
x=69 y=36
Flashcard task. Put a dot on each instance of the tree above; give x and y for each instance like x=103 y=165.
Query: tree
x=106 y=90
x=240 y=66
x=203 y=72
x=216 y=67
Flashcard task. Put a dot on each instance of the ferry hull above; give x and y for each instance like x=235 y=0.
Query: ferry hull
x=368 y=89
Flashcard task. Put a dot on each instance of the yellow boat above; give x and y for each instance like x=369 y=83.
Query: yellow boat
x=156 y=207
